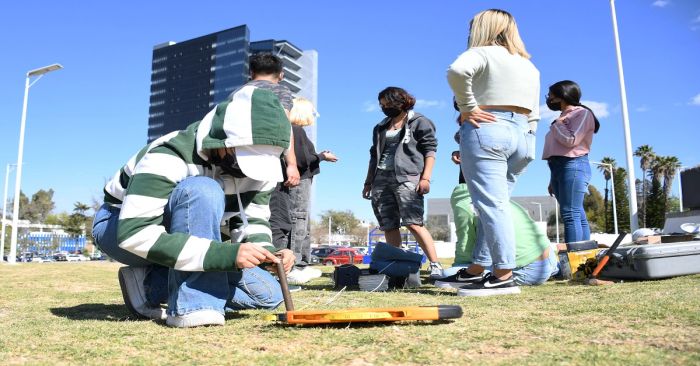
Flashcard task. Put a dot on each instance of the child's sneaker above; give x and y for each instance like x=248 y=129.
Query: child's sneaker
x=435 y=270
x=490 y=285
x=461 y=278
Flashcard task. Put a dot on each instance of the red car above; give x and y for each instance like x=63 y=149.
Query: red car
x=343 y=256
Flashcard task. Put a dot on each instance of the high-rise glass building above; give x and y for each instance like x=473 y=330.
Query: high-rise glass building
x=190 y=77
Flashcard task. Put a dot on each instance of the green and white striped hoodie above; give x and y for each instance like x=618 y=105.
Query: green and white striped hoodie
x=253 y=116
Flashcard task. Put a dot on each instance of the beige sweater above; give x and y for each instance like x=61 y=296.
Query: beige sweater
x=491 y=75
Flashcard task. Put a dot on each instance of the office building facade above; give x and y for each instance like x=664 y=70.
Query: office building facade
x=188 y=78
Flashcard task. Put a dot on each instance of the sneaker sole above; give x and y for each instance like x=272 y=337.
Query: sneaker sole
x=196 y=319
x=154 y=314
x=489 y=291
x=441 y=284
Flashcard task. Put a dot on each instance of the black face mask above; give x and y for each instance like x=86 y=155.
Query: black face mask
x=229 y=164
x=391 y=111
x=555 y=106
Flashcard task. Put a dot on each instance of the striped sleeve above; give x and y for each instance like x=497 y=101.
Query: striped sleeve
x=141 y=230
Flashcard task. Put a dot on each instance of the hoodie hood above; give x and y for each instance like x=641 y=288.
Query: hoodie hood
x=252 y=116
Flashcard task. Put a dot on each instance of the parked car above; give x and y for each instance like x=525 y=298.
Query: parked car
x=76 y=258
x=343 y=256
x=361 y=250
x=314 y=259
x=322 y=252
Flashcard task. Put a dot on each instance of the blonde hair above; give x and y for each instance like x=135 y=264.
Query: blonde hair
x=303 y=112
x=496 y=27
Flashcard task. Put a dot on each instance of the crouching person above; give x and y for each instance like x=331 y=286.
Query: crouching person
x=535 y=259
x=189 y=215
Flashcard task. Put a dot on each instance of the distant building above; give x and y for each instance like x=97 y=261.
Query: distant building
x=190 y=77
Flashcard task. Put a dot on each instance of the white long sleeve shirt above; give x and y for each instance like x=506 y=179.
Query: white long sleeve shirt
x=491 y=75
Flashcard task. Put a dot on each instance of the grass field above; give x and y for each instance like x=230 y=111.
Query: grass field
x=72 y=313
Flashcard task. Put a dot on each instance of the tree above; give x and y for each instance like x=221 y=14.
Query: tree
x=646 y=157
x=438 y=227
x=605 y=169
x=672 y=164
x=595 y=208
x=622 y=200
x=39 y=208
x=78 y=222
x=341 y=221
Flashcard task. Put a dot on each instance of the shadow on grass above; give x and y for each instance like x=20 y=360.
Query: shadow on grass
x=104 y=312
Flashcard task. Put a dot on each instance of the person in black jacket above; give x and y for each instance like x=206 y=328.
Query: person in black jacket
x=400 y=168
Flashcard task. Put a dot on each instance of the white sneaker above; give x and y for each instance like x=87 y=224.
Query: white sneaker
x=196 y=319
x=299 y=276
x=134 y=294
x=435 y=269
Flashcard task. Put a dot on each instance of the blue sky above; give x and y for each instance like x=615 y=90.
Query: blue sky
x=85 y=121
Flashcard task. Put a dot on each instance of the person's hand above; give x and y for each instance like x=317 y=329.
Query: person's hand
x=367 y=191
x=328 y=156
x=251 y=255
x=288 y=259
x=423 y=186
x=456 y=157
x=550 y=190
x=476 y=116
x=292 y=176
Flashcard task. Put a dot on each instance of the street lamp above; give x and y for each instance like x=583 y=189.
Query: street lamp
x=4 y=211
x=634 y=224
x=540 y=207
x=18 y=177
x=612 y=178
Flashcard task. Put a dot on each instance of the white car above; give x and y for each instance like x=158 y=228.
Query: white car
x=76 y=258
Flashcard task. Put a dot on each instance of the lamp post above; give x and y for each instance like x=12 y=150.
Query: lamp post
x=612 y=178
x=634 y=224
x=540 y=207
x=18 y=177
x=4 y=211
x=330 y=220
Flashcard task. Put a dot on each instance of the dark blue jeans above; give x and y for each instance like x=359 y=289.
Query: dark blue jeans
x=569 y=181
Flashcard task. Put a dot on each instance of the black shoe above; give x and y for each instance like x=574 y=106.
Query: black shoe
x=460 y=279
x=490 y=285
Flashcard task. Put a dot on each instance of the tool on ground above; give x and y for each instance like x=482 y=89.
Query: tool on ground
x=603 y=261
x=361 y=315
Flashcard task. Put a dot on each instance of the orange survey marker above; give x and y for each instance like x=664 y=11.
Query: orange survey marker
x=360 y=315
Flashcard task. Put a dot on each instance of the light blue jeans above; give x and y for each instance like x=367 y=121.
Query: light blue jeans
x=195 y=207
x=493 y=156
x=533 y=274
x=569 y=181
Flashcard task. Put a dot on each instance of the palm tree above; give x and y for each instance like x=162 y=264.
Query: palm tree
x=605 y=169
x=672 y=164
x=646 y=156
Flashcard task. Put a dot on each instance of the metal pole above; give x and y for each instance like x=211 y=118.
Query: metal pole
x=4 y=212
x=12 y=257
x=680 y=190
x=612 y=177
x=634 y=224
x=329 y=229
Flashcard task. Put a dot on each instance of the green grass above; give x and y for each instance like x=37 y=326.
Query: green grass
x=72 y=313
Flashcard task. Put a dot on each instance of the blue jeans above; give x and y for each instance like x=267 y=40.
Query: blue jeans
x=493 y=156
x=533 y=274
x=196 y=207
x=569 y=181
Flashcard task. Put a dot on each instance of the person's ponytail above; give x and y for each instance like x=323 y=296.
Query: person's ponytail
x=597 y=123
